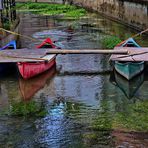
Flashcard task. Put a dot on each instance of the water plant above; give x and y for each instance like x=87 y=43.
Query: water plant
x=27 y=109
x=110 y=41
x=136 y=120
x=51 y=9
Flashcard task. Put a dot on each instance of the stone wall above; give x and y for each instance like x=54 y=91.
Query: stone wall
x=131 y=12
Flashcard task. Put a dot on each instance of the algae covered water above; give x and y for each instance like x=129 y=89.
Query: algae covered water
x=80 y=102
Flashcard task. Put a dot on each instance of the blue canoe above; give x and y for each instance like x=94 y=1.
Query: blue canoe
x=10 y=45
x=129 y=69
x=4 y=67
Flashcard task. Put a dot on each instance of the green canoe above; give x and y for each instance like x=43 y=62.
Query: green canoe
x=129 y=69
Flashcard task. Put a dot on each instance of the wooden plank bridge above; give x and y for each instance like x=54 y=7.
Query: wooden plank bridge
x=34 y=55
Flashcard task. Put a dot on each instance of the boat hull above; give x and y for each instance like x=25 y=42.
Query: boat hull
x=8 y=67
x=129 y=69
x=31 y=69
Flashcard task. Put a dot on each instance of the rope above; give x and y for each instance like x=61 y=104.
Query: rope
x=140 y=33
x=11 y=32
x=127 y=39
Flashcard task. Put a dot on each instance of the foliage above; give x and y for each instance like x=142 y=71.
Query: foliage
x=102 y=122
x=104 y=119
x=76 y=14
x=110 y=42
x=52 y=9
x=6 y=25
x=26 y=109
x=132 y=118
x=136 y=119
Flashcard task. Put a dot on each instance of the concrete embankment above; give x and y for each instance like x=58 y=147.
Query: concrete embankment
x=133 y=13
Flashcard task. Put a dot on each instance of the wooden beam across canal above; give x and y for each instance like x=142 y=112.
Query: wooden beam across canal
x=33 y=55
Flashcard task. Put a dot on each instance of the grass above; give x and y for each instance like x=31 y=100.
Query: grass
x=110 y=42
x=135 y=118
x=24 y=109
x=51 y=9
x=6 y=25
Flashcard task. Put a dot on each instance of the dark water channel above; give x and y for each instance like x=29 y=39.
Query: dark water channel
x=79 y=103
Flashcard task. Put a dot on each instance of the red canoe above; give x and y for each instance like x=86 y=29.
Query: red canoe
x=31 y=69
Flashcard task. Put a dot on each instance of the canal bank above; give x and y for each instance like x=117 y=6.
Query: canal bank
x=133 y=13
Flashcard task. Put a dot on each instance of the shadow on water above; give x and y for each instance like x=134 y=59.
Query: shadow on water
x=129 y=88
x=26 y=88
x=29 y=87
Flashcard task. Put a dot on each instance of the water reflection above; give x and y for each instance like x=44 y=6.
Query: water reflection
x=54 y=129
x=129 y=88
x=31 y=86
x=73 y=107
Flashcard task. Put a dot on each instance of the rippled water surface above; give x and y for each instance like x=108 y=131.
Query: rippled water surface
x=78 y=103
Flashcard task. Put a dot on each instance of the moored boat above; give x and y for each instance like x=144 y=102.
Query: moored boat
x=129 y=69
x=5 y=67
x=10 y=45
x=31 y=69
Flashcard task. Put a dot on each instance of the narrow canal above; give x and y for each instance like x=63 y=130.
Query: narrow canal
x=79 y=103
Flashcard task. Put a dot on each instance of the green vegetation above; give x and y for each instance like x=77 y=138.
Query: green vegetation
x=6 y=25
x=135 y=118
x=132 y=118
x=52 y=9
x=103 y=121
x=24 y=109
x=110 y=42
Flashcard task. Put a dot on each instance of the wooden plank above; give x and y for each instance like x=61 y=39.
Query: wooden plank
x=32 y=52
x=86 y=51
x=134 y=54
x=119 y=53
x=43 y=51
x=22 y=55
